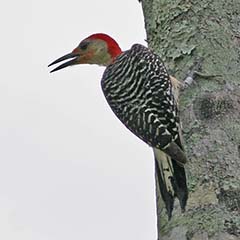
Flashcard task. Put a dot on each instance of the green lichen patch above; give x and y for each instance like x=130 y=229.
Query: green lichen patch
x=192 y=182
x=206 y=219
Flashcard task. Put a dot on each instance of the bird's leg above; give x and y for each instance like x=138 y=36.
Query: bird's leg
x=196 y=71
x=189 y=79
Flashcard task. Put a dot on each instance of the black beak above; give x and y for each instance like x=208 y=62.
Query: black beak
x=66 y=64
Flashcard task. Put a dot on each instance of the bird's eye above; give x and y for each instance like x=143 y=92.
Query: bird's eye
x=83 y=45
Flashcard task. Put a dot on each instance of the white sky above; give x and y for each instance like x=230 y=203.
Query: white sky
x=68 y=168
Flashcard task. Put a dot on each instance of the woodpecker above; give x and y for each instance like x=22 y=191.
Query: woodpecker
x=144 y=97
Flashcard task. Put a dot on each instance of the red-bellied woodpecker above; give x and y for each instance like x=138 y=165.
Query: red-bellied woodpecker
x=143 y=96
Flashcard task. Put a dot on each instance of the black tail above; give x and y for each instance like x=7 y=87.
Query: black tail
x=172 y=181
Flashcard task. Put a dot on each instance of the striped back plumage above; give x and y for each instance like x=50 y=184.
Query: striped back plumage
x=139 y=91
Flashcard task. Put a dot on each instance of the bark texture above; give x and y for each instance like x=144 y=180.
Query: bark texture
x=182 y=32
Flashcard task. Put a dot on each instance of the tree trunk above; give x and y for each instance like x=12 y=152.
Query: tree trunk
x=182 y=32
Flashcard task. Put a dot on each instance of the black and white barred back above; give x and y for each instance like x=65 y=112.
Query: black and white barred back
x=139 y=91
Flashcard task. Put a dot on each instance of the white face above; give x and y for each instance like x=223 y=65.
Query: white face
x=100 y=54
x=93 y=51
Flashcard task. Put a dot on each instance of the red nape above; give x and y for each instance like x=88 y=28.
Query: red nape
x=113 y=47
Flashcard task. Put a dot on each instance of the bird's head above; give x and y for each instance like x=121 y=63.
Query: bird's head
x=98 y=49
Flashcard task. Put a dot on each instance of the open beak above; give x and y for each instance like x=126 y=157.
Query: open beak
x=66 y=64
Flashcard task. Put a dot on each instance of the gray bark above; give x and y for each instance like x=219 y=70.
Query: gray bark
x=182 y=32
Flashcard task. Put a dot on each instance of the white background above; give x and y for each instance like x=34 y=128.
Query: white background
x=68 y=168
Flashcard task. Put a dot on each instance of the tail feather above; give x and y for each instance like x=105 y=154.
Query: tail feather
x=172 y=181
x=167 y=196
x=180 y=184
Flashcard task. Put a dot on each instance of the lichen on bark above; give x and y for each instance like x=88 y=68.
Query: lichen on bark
x=181 y=32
